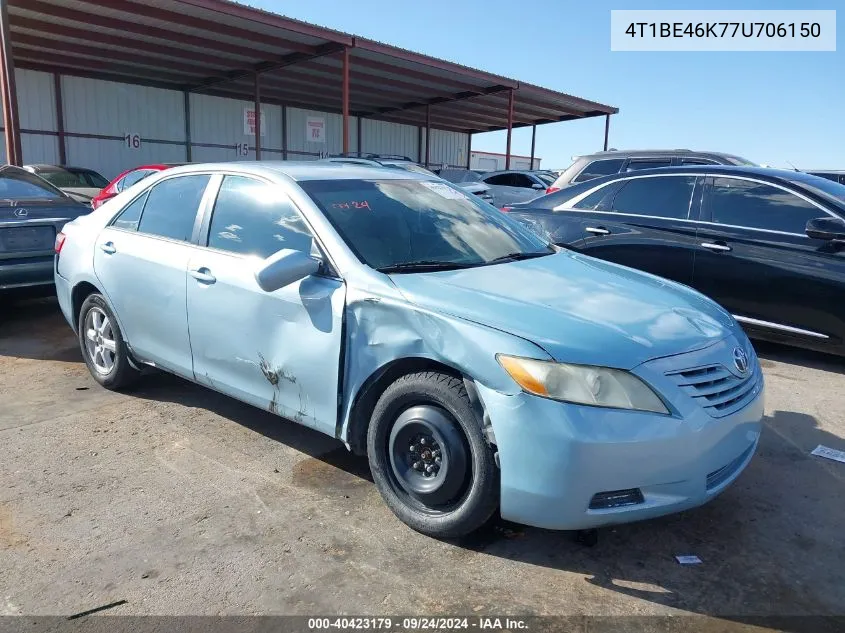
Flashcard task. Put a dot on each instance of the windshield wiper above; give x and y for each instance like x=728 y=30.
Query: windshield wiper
x=422 y=265
x=513 y=257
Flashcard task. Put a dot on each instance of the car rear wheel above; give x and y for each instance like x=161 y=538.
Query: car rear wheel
x=428 y=456
x=102 y=344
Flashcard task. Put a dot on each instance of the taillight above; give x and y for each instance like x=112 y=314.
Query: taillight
x=552 y=189
x=60 y=241
x=505 y=209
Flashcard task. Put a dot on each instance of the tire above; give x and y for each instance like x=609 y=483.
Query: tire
x=420 y=419
x=111 y=369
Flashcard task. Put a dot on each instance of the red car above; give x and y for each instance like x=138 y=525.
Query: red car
x=127 y=179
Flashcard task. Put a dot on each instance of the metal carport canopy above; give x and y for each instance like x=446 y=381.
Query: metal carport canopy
x=228 y=49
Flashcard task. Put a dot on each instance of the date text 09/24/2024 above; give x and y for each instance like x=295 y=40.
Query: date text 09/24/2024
x=416 y=623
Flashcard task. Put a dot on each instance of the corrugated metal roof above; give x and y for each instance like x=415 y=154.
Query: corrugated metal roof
x=216 y=46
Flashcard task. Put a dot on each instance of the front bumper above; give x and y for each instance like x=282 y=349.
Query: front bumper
x=556 y=457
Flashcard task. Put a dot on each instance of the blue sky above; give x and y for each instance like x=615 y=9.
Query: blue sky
x=772 y=108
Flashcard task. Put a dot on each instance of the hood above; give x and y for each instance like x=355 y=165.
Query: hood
x=577 y=308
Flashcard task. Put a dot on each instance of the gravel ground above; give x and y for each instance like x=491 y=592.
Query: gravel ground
x=182 y=501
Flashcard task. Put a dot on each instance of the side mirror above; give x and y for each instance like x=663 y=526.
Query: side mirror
x=826 y=229
x=538 y=186
x=285 y=267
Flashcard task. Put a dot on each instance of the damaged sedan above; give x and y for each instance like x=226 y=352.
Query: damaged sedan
x=478 y=367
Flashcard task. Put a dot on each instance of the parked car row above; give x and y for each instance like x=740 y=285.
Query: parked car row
x=768 y=245
x=476 y=364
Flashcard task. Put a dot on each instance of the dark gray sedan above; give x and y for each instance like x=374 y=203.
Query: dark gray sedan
x=32 y=212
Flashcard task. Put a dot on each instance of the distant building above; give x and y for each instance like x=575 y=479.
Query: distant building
x=492 y=161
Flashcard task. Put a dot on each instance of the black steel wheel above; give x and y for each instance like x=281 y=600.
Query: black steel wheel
x=429 y=458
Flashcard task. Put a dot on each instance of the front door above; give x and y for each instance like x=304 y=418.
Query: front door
x=276 y=350
x=757 y=261
x=141 y=260
x=647 y=224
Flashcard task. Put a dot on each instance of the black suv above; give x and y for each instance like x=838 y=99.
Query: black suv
x=769 y=245
x=616 y=161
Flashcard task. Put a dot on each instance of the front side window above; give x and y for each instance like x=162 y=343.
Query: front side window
x=599 y=168
x=756 y=205
x=256 y=218
x=660 y=196
x=17 y=184
x=389 y=224
x=172 y=205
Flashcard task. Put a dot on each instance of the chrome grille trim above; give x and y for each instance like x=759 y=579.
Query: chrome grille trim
x=716 y=389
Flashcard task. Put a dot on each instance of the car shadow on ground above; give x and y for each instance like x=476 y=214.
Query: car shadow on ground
x=770 y=545
x=798 y=356
x=36 y=329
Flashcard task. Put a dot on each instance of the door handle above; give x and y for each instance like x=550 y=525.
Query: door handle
x=715 y=246
x=598 y=230
x=203 y=275
x=108 y=247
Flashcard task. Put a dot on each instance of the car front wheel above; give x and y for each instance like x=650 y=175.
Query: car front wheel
x=102 y=344
x=429 y=458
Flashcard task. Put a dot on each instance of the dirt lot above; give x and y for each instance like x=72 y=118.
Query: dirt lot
x=182 y=501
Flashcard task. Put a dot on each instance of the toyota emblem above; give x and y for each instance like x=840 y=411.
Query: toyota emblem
x=741 y=360
x=21 y=213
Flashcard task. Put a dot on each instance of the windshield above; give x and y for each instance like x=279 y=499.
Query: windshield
x=821 y=186
x=17 y=184
x=459 y=175
x=74 y=178
x=391 y=223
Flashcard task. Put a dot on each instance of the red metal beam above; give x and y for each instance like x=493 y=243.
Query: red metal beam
x=427 y=135
x=60 y=118
x=11 y=122
x=257 y=113
x=345 y=99
x=103 y=39
x=270 y=65
x=533 y=140
x=271 y=19
x=510 y=129
x=606 y=130
x=97 y=52
x=431 y=62
x=217 y=27
x=69 y=61
x=126 y=26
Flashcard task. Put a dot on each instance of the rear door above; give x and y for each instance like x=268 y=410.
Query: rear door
x=141 y=260
x=755 y=258
x=276 y=350
x=648 y=224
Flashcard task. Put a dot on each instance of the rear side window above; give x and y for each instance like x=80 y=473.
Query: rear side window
x=131 y=214
x=636 y=165
x=255 y=218
x=697 y=161
x=592 y=201
x=600 y=168
x=171 y=207
x=501 y=179
x=759 y=206
x=659 y=196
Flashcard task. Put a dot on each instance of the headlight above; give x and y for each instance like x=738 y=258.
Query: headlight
x=582 y=384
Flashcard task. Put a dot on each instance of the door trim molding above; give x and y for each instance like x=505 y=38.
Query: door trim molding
x=779 y=327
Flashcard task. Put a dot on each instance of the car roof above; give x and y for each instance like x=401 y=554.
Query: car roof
x=728 y=170
x=307 y=170
x=627 y=153
x=46 y=167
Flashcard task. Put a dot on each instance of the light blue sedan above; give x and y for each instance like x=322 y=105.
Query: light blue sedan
x=477 y=366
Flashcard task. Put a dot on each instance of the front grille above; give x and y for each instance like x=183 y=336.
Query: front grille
x=716 y=389
x=718 y=477
x=616 y=499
